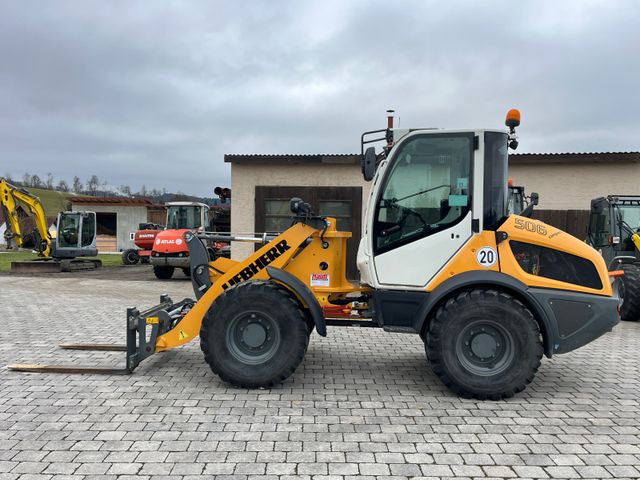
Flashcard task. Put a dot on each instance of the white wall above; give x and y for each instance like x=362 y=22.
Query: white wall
x=127 y=218
x=572 y=186
x=245 y=177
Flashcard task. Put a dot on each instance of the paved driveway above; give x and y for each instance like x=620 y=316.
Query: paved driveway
x=364 y=403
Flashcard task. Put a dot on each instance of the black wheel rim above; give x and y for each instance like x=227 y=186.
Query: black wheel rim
x=485 y=348
x=131 y=256
x=253 y=337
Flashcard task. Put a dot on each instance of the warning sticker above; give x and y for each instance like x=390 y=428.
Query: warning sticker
x=182 y=335
x=152 y=320
x=319 y=280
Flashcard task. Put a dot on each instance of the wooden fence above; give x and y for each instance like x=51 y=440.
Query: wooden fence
x=573 y=222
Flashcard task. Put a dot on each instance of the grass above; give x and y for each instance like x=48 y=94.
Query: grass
x=7 y=257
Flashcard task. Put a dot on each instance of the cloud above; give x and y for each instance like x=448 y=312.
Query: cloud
x=157 y=92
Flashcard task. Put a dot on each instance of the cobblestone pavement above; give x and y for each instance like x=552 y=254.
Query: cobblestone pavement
x=363 y=404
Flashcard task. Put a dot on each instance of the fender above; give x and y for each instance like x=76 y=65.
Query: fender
x=302 y=291
x=488 y=279
x=621 y=260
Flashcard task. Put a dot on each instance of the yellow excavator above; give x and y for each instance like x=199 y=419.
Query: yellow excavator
x=75 y=232
x=440 y=257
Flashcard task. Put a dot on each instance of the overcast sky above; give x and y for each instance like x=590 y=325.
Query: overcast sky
x=156 y=92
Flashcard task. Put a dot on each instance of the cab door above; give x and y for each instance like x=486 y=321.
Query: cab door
x=423 y=212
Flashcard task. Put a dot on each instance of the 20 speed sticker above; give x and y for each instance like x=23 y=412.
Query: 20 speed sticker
x=486 y=257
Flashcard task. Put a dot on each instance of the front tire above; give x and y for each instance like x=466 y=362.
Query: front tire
x=163 y=273
x=484 y=344
x=630 y=292
x=130 y=257
x=254 y=335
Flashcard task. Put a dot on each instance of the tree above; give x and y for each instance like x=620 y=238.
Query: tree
x=62 y=186
x=77 y=185
x=49 y=182
x=93 y=183
x=143 y=191
x=125 y=190
x=26 y=179
x=36 y=182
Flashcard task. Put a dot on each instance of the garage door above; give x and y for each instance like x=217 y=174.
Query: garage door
x=343 y=203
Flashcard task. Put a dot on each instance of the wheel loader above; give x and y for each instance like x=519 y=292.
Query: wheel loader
x=614 y=226
x=440 y=257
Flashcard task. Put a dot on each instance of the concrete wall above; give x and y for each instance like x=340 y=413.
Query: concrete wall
x=127 y=218
x=572 y=186
x=245 y=177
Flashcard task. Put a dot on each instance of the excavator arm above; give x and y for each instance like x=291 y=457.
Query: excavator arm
x=10 y=196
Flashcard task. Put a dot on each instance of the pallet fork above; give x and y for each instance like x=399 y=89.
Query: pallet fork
x=143 y=329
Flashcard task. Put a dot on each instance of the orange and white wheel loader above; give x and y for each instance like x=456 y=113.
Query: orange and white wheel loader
x=489 y=293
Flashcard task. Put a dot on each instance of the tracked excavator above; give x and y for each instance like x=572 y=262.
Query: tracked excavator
x=488 y=293
x=75 y=233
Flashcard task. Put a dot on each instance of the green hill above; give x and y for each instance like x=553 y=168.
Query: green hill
x=52 y=201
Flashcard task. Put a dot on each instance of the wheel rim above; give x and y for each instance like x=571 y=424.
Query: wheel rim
x=253 y=337
x=485 y=348
x=131 y=256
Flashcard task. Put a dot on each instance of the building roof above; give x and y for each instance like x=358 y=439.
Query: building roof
x=514 y=158
x=120 y=201
x=295 y=159
x=589 y=157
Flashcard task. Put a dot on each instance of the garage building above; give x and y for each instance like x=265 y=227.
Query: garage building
x=117 y=219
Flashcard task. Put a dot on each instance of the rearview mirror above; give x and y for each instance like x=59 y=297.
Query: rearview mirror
x=368 y=164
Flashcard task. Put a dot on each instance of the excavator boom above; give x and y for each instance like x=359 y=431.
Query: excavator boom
x=10 y=198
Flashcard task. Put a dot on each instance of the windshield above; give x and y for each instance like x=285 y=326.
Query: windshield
x=68 y=229
x=428 y=189
x=630 y=216
x=185 y=216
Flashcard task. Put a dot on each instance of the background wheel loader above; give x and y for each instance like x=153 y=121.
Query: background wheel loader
x=614 y=223
x=489 y=293
x=75 y=231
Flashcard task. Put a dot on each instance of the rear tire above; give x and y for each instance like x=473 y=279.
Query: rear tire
x=630 y=290
x=484 y=344
x=130 y=257
x=254 y=335
x=163 y=273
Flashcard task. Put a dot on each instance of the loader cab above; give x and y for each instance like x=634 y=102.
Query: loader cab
x=187 y=215
x=612 y=222
x=432 y=192
x=75 y=235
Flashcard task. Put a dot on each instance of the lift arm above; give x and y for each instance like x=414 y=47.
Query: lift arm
x=9 y=198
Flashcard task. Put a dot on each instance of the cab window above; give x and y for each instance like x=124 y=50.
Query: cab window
x=427 y=190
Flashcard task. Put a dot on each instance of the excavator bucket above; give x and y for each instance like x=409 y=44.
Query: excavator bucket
x=143 y=329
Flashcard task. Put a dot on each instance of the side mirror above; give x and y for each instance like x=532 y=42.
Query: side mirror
x=533 y=201
x=368 y=164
